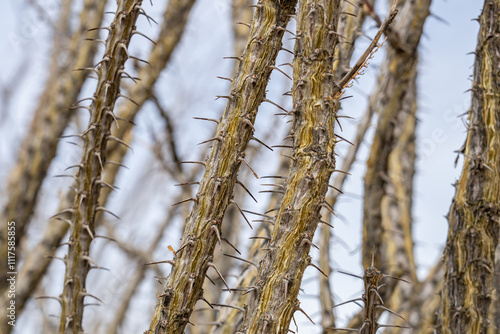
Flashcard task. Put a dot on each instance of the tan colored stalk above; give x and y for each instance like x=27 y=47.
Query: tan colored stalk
x=49 y=121
x=141 y=257
x=242 y=12
x=387 y=207
x=184 y=284
x=230 y=319
x=38 y=260
x=172 y=29
x=281 y=270
x=315 y=94
x=474 y=216
x=350 y=28
x=89 y=182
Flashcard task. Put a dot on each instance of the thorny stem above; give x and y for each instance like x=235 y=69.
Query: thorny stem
x=38 y=260
x=474 y=217
x=86 y=204
x=51 y=118
x=371 y=299
x=315 y=94
x=349 y=29
x=184 y=284
x=387 y=205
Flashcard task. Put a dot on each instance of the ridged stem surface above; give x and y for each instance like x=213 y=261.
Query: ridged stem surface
x=39 y=258
x=474 y=217
x=89 y=183
x=184 y=284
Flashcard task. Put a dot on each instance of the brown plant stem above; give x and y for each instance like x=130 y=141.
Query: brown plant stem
x=184 y=284
x=387 y=207
x=350 y=28
x=49 y=121
x=39 y=258
x=474 y=217
x=314 y=93
x=89 y=181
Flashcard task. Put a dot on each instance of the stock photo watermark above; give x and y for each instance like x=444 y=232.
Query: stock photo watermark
x=32 y=23
x=453 y=120
x=11 y=273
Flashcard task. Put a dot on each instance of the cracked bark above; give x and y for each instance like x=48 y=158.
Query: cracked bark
x=280 y=272
x=184 y=284
x=474 y=217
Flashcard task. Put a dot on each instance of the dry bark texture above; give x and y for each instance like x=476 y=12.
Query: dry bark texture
x=313 y=161
x=387 y=221
x=184 y=284
x=474 y=217
x=89 y=181
x=315 y=94
x=242 y=12
x=49 y=121
x=350 y=28
x=39 y=258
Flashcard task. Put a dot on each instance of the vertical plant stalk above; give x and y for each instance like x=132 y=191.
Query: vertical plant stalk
x=315 y=94
x=474 y=216
x=51 y=118
x=140 y=271
x=371 y=299
x=172 y=29
x=89 y=182
x=281 y=270
x=231 y=319
x=242 y=12
x=350 y=28
x=38 y=260
x=184 y=284
x=387 y=207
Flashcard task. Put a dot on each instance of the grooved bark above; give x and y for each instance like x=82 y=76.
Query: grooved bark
x=315 y=94
x=184 y=284
x=474 y=217
x=349 y=27
x=38 y=260
x=229 y=319
x=314 y=97
x=89 y=181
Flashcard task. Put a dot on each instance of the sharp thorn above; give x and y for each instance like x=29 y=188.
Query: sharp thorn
x=246 y=162
x=246 y=189
x=239 y=258
x=160 y=262
x=210 y=264
x=232 y=246
x=100 y=208
x=241 y=211
x=186 y=183
x=207 y=119
x=262 y=143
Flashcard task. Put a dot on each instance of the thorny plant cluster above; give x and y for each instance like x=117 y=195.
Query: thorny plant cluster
x=197 y=294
